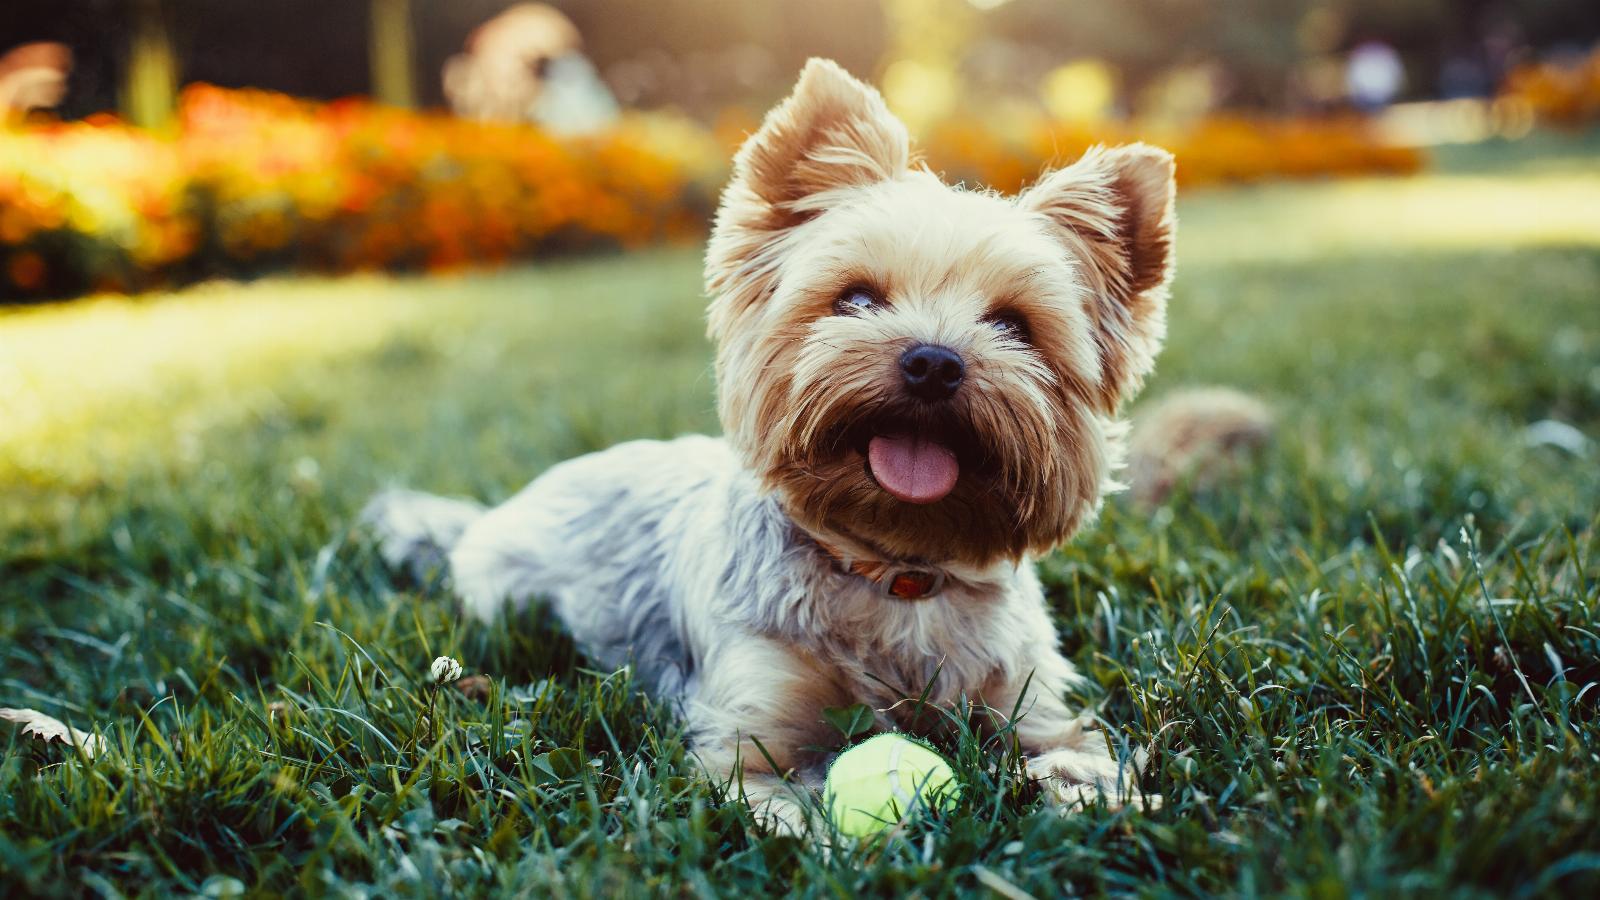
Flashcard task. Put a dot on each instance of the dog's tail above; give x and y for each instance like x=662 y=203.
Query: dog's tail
x=415 y=530
x=1196 y=436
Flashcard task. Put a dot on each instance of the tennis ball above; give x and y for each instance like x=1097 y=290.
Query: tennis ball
x=885 y=780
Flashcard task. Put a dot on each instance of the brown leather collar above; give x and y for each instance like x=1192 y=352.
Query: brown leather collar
x=895 y=580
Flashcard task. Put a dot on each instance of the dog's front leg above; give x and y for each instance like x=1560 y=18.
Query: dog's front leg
x=1068 y=757
x=755 y=720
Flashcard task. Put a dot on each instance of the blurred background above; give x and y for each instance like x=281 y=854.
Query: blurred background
x=154 y=142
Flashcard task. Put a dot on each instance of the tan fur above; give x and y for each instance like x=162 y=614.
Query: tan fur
x=824 y=196
x=1115 y=211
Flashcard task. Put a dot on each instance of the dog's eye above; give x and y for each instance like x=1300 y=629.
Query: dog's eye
x=1011 y=327
x=854 y=302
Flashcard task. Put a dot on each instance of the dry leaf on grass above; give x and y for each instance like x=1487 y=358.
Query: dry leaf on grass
x=49 y=728
x=477 y=687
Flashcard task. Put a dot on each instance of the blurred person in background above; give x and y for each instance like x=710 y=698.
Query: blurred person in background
x=525 y=64
x=33 y=76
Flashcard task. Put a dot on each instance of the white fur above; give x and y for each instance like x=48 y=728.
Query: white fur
x=669 y=557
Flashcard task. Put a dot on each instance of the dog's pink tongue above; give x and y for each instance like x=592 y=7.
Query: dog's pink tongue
x=912 y=469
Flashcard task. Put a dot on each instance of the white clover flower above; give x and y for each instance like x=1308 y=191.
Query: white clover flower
x=444 y=670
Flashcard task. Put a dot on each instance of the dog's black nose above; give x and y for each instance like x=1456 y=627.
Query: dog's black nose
x=932 y=372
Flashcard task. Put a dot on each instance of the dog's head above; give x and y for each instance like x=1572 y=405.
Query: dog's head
x=930 y=371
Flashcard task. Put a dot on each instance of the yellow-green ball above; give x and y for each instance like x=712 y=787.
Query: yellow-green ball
x=885 y=780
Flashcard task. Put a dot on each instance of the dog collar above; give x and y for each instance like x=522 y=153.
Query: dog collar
x=898 y=581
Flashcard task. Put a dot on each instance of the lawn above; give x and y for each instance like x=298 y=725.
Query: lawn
x=1370 y=666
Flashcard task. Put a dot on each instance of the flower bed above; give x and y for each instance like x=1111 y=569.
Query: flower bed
x=1565 y=94
x=85 y=206
x=252 y=181
x=255 y=181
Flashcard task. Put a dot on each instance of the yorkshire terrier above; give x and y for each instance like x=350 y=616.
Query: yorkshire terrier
x=919 y=386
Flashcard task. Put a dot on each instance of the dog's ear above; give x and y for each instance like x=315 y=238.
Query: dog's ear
x=1113 y=210
x=832 y=133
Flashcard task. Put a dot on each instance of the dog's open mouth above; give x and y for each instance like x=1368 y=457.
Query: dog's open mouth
x=913 y=467
x=913 y=459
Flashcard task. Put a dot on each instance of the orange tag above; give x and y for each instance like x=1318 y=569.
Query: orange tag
x=913 y=585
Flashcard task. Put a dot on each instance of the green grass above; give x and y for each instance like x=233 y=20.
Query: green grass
x=1369 y=667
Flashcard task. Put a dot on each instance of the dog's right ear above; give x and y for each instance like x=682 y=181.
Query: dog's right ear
x=832 y=134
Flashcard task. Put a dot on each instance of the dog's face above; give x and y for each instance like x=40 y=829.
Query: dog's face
x=930 y=371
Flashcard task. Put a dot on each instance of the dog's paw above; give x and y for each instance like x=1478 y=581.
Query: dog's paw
x=1074 y=779
x=781 y=815
x=482 y=583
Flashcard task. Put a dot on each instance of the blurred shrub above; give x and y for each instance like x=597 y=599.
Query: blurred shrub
x=251 y=181
x=89 y=206
x=1564 y=93
x=1216 y=150
x=254 y=181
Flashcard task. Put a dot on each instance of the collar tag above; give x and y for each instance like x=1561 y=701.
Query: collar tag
x=897 y=584
x=912 y=584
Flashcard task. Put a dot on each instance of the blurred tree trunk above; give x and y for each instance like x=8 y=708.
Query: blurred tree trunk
x=150 y=84
x=390 y=52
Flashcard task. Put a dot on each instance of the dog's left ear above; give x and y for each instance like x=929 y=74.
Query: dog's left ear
x=1113 y=209
x=833 y=133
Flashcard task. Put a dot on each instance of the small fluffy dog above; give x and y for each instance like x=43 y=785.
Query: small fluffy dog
x=919 y=386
